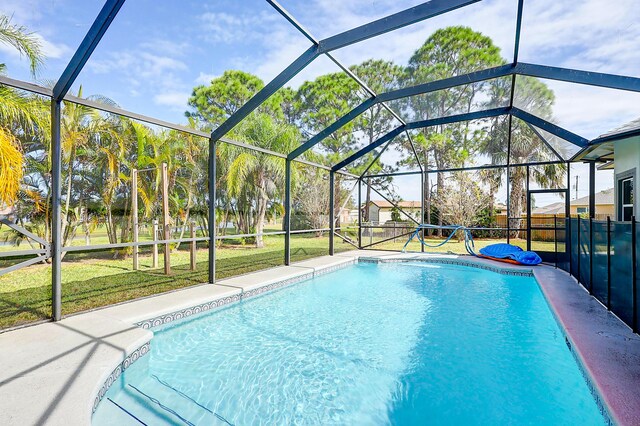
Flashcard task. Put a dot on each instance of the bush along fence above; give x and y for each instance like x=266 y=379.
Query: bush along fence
x=602 y=256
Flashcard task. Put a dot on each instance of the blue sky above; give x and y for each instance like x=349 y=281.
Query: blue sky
x=156 y=51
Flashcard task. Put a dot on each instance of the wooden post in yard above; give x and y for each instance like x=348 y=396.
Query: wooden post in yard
x=134 y=212
x=193 y=245
x=155 y=246
x=166 y=226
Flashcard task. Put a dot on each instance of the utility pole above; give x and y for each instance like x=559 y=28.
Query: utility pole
x=577 y=178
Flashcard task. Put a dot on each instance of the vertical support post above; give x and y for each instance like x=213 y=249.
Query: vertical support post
x=212 y=210
x=508 y=204
x=634 y=277
x=166 y=225
x=569 y=236
x=567 y=204
x=287 y=212
x=590 y=253
x=555 y=238
x=567 y=215
x=56 y=212
x=154 y=252
x=332 y=211
x=371 y=230
x=608 y=262
x=528 y=213
x=360 y=213
x=422 y=197
x=578 y=248
x=192 y=229
x=592 y=189
x=513 y=84
x=134 y=213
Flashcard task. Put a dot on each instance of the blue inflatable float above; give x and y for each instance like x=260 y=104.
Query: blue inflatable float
x=510 y=253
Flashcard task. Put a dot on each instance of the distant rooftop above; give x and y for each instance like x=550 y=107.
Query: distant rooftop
x=604 y=197
x=630 y=127
x=407 y=204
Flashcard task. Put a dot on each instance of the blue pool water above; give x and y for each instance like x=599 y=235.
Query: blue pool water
x=370 y=344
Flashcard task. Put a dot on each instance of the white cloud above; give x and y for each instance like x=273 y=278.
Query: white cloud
x=166 y=47
x=175 y=100
x=222 y=27
x=141 y=64
x=204 y=78
x=54 y=50
x=146 y=74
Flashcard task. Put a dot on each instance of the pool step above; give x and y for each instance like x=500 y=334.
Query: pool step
x=114 y=413
x=154 y=401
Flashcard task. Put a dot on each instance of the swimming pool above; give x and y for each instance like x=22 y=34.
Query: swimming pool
x=398 y=343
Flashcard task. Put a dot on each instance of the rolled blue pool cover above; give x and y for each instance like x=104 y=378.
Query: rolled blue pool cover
x=509 y=251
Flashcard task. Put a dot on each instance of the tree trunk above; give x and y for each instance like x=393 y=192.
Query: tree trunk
x=440 y=183
x=260 y=214
x=65 y=213
x=85 y=226
x=111 y=231
x=516 y=201
x=184 y=226
x=365 y=210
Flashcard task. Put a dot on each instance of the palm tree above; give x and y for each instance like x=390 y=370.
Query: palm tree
x=526 y=147
x=255 y=176
x=18 y=112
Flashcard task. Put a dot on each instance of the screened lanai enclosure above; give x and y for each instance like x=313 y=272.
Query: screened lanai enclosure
x=480 y=127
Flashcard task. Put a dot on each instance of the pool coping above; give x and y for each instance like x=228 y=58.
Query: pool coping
x=596 y=337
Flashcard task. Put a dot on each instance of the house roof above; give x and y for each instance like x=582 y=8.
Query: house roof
x=622 y=131
x=384 y=204
x=602 y=147
x=554 y=208
x=602 y=197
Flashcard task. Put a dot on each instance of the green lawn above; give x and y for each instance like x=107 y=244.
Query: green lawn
x=95 y=279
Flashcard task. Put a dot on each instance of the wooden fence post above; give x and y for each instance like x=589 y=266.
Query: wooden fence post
x=134 y=212
x=155 y=246
x=193 y=245
x=166 y=226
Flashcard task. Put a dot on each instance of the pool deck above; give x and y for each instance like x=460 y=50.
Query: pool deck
x=51 y=373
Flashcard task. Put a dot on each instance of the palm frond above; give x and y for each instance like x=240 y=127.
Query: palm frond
x=24 y=41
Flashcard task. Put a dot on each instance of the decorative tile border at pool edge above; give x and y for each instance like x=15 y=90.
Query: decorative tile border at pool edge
x=115 y=374
x=207 y=306
x=458 y=262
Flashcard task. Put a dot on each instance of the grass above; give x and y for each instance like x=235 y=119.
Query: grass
x=95 y=279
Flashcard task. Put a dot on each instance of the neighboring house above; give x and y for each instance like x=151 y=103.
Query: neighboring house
x=348 y=215
x=500 y=209
x=619 y=150
x=604 y=205
x=380 y=210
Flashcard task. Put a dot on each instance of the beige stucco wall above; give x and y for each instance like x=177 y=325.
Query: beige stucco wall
x=601 y=209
